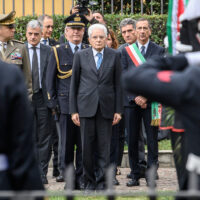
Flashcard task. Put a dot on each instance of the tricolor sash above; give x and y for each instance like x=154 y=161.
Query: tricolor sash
x=138 y=59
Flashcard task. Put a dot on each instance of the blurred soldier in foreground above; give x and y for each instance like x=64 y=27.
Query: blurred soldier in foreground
x=13 y=51
x=18 y=167
x=174 y=81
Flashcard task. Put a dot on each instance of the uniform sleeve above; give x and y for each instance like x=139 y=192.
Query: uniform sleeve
x=73 y=108
x=51 y=77
x=157 y=81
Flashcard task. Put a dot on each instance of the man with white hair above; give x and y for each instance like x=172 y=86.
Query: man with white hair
x=96 y=103
x=39 y=56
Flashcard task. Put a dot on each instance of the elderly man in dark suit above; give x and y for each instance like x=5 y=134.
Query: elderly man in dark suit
x=138 y=107
x=39 y=56
x=95 y=103
x=58 y=84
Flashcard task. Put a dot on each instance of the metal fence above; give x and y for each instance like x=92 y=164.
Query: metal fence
x=66 y=5
x=109 y=193
x=103 y=2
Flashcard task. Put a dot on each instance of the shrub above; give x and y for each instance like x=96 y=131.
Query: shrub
x=158 y=23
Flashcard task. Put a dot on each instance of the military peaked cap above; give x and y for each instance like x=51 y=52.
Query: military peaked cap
x=76 y=20
x=7 y=19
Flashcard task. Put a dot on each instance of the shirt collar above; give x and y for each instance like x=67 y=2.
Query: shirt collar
x=47 y=39
x=95 y=51
x=37 y=46
x=5 y=43
x=140 y=45
x=73 y=45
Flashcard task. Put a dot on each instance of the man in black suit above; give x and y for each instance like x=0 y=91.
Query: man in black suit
x=138 y=107
x=18 y=167
x=58 y=84
x=39 y=56
x=95 y=103
x=47 y=30
x=127 y=29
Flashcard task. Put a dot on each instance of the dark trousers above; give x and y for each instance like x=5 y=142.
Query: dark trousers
x=69 y=139
x=54 y=142
x=117 y=143
x=41 y=131
x=133 y=117
x=96 y=137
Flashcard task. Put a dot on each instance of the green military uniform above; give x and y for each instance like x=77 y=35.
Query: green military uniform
x=15 y=51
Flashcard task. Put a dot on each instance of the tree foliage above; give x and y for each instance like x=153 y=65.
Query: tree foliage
x=158 y=23
x=156 y=4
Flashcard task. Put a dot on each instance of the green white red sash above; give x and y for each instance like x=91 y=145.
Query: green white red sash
x=138 y=59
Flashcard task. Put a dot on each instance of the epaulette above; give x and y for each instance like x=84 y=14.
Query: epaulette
x=18 y=41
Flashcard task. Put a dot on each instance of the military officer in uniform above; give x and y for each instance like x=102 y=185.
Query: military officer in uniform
x=59 y=73
x=13 y=51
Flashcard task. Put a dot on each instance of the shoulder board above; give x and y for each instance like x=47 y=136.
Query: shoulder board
x=18 y=41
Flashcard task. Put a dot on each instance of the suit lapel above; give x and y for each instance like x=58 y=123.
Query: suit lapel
x=42 y=59
x=149 y=50
x=69 y=50
x=91 y=61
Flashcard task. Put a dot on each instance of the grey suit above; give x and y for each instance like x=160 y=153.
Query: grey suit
x=41 y=116
x=96 y=96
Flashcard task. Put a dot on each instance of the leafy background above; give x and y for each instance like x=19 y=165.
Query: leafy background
x=158 y=23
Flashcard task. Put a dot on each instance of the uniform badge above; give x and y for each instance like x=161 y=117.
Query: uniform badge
x=15 y=56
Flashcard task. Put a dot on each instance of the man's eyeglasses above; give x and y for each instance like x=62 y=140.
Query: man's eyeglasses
x=11 y=26
x=49 y=26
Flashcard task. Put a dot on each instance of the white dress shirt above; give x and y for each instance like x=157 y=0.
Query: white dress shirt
x=140 y=46
x=42 y=41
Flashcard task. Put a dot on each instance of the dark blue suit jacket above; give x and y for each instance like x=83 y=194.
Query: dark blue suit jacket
x=127 y=64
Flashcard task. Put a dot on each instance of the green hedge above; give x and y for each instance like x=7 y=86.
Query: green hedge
x=158 y=23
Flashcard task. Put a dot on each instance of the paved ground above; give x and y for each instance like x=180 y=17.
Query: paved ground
x=167 y=181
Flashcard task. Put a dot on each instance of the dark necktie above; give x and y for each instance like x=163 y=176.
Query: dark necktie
x=76 y=49
x=99 y=61
x=143 y=50
x=35 y=72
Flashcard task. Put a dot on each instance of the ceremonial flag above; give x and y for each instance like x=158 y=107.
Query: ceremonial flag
x=175 y=10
